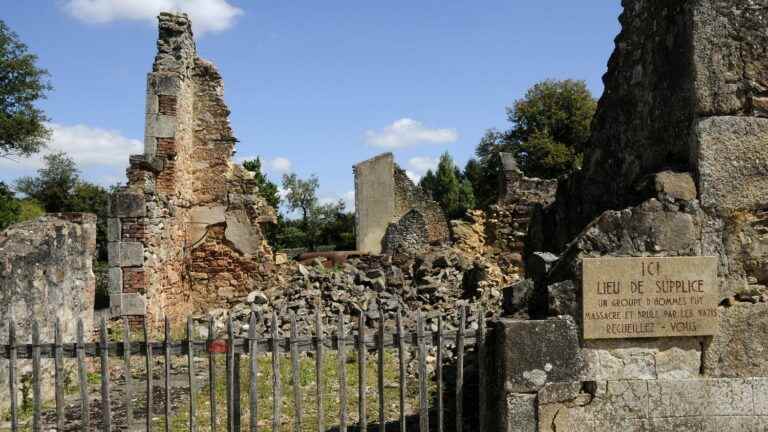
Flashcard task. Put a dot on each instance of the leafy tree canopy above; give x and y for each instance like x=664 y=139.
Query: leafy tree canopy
x=22 y=83
x=550 y=126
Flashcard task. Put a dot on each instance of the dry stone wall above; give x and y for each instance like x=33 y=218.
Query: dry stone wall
x=184 y=234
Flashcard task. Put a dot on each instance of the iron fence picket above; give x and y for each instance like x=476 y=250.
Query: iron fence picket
x=319 y=361
x=128 y=386
x=342 y=354
x=191 y=377
x=167 y=369
x=423 y=403
x=36 y=378
x=295 y=376
x=293 y=344
x=276 y=390
x=460 y=370
x=12 y=375
x=58 y=376
x=402 y=371
x=253 y=395
x=362 y=420
x=148 y=365
x=106 y=409
x=212 y=373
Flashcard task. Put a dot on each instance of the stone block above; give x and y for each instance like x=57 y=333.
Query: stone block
x=518 y=413
x=535 y=353
x=115 y=283
x=125 y=254
x=127 y=304
x=127 y=204
x=114 y=229
x=731 y=156
x=697 y=397
x=675 y=185
x=160 y=126
x=740 y=348
x=642 y=359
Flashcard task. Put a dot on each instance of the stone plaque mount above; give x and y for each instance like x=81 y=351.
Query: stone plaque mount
x=641 y=297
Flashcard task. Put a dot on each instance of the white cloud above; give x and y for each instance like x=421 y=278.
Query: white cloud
x=92 y=148
x=206 y=15
x=279 y=165
x=419 y=165
x=406 y=133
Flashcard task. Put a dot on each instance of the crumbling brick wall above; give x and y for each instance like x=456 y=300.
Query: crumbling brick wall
x=188 y=221
x=384 y=194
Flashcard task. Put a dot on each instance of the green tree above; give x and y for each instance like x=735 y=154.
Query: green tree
x=59 y=188
x=550 y=126
x=22 y=84
x=267 y=189
x=448 y=187
x=301 y=195
x=54 y=184
x=30 y=209
x=9 y=207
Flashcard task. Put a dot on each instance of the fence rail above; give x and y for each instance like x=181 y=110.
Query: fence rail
x=233 y=348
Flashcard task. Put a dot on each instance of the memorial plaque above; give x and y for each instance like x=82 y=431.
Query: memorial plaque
x=650 y=297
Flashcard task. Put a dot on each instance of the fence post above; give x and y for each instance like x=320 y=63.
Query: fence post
x=402 y=374
x=481 y=365
x=127 y=373
x=12 y=373
x=276 y=390
x=361 y=371
x=191 y=368
x=342 y=353
x=253 y=349
x=148 y=367
x=460 y=370
x=211 y=373
x=106 y=409
x=167 y=353
x=319 y=359
x=58 y=375
x=295 y=374
x=36 y=378
x=423 y=403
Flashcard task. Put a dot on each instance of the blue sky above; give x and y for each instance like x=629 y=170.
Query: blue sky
x=313 y=87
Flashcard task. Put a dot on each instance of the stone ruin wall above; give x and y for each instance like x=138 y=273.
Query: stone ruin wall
x=676 y=166
x=184 y=234
x=383 y=195
x=46 y=272
x=519 y=198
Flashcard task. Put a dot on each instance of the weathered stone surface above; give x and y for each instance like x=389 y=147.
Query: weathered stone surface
x=245 y=237
x=115 y=284
x=127 y=204
x=407 y=236
x=674 y=186
x=384 y=194
x=125 y=254
x=127 y=304
x=114 y=229
x=658 y=406
x=535 y=353
x=648 y=359
x=518 y=413
x=740 y=348
x=732 y=159
x=46 y=273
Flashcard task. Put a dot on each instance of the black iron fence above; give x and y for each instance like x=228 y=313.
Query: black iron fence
x=347 y=340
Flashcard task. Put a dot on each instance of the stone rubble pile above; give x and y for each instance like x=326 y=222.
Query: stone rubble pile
x=440 y=282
